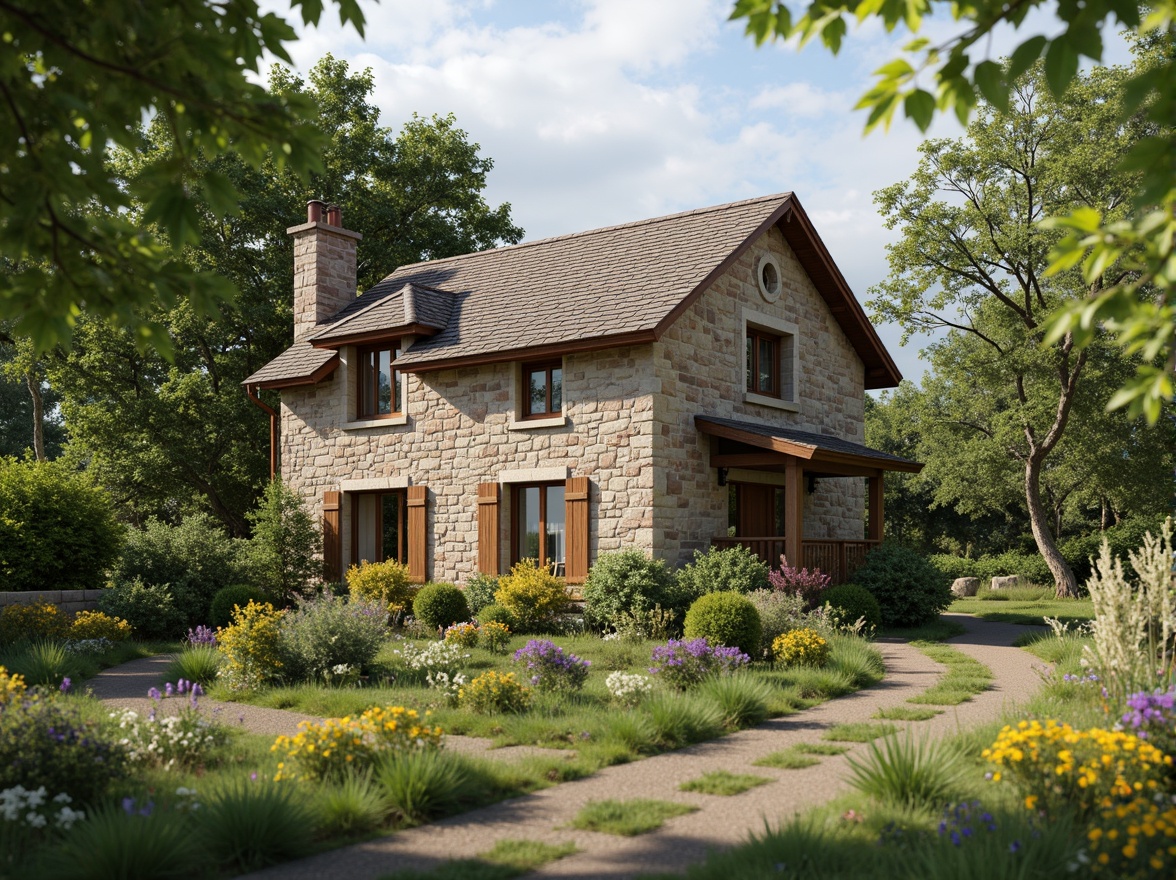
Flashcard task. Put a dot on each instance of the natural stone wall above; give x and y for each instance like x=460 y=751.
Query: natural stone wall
x=69 y=601
x=700 y=366
x=458 y=433
x=324 y=273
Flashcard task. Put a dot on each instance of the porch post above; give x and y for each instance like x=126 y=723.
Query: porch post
x=874 y=530
x=793 y=512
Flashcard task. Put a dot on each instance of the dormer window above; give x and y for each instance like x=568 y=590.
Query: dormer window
x=379 y=383
x=542 y=390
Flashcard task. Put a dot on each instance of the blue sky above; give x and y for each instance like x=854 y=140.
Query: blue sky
x=605 y=111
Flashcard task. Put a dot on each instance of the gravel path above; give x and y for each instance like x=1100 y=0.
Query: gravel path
x=719 y=821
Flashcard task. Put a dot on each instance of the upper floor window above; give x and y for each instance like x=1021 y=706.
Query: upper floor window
x=771 y=363
x=542 y=390
x=379 y=383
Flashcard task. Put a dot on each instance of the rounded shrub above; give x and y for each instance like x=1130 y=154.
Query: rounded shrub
x=438 y=605
x=386 y=582
x=150 y=609
x=99 y=625
x=909 y=589
x=801 y=647
x=533 y=595
x=220 y=611
x=853 y=602
x=625 y=582
x=480 y=591
x=328 y=632
x=252 y=647
x=734 y=570
x=495 y=613
x=728 y=619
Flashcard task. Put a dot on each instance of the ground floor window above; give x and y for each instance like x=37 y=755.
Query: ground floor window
x=755 y=510
x=539 y=527
x=378 y=527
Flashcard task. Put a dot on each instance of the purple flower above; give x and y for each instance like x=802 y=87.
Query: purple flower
x=169 y=689
x=551 y=669
x=66 y=684
x=154 y=694
x=202 y=636
x=685 y=663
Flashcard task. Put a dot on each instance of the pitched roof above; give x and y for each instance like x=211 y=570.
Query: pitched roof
x=300 y=364
x=603 y=288
x=803 y=444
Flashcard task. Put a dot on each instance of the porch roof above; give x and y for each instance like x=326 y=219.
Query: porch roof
x=818 y=452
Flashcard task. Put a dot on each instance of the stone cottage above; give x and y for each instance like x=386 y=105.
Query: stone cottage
x=671 y=384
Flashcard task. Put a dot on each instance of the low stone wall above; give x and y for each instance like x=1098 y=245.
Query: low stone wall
x=69 y=601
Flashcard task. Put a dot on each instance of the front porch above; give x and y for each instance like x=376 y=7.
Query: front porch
x=769 y=519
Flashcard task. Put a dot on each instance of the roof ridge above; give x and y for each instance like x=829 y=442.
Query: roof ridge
x=570 y=235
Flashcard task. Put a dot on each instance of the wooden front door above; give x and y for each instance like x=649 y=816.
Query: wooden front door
x=758 y=510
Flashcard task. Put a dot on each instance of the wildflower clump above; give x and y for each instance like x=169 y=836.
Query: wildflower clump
x=1057 y=767
x=495 y=692
x=12 y=688
x=1135 y=839
x=801 y=647
x=1151 y=715
x=533 y=595
x=440 y=661
x=551 y=669
x=494 y=636
x=252 y=647
x=329 y=749
x=184 y=740
x=627 y=688
x=99 y=625
x=808 y=584
x=683 y=664
x=464 y=635
x=27 y=623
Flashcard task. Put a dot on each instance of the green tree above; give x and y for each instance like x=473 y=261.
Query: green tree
x=284 y=557
x=171 y=437
x=76 y=79
x=29 y=420
x=972 y=259
x=1138 y=304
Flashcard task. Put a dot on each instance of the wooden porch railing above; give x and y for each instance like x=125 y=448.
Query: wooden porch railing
x=838 y=559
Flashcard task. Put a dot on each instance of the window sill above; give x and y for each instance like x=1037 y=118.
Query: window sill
x=529 y=424
x=368 y=424
x=774 y=402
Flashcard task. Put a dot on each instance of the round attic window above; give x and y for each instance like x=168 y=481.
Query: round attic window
x=770 y=278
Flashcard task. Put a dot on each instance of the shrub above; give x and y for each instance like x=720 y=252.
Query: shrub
x=683 y=664
x=25 y=623
x=479 y=591
x=646 y=623
x=551 y=669
x=150 y=609
x=57 y=528
x=809 y=585
x=464 y=635
x=196 y=559
x=625 y=582
x=440 y=605
x=1030 y=566
x=725 y=619
x=99 y=625
x=225 y=603
x=329 y=632
x=779 y=613
x=248 y=825
x=533 y=595
x=419 y=785
x=953 y=567
x=45 y=742
x=1081 y=551
x=734 y=570
x=495 y=692
x=909 y=590
x=252 y=647
x=337 y=745
x=801 y=647
x=495 y=613
x=284 y=554
x=628 y=689
x=386 y=582
x=494 y=636
x=853 y=603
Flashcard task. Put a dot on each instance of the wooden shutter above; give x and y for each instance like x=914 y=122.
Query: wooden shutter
x=332 y=536
x=576 y=491
x=488 y=528
x=418 y=545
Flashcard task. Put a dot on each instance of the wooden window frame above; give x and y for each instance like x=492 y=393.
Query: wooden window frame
x=754 y=336
x=402 y=518
x=516 y=509
x=525 y=389
x=366 y=409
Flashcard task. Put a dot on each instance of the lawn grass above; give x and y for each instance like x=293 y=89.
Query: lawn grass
x=787 y=759
x=506 y=860
x=721 y=782
x=820 y=748
x=1022 y=610
x=902 y=713
x=965 y=676
x=628 y=818
x=858 y=732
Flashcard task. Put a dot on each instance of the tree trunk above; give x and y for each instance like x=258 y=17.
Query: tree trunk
x=1065 y=584
x=1104 y=515
x=34 y=386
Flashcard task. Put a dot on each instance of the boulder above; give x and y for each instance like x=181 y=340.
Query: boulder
x=1005 y=583
x=961 y=587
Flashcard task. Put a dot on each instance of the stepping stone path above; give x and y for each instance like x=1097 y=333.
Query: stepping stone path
x=719 y=822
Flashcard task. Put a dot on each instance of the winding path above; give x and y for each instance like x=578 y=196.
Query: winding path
x=719 y=821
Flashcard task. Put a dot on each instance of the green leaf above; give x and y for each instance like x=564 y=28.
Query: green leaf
x=919 y=106
x=1025 y=55
x=990 y=80
x=1061 y=65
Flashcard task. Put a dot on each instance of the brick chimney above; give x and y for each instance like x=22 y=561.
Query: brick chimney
x=324 y=266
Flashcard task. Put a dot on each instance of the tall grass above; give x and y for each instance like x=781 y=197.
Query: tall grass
x=419 y=785
x=43 y=662
x=742 y=700
x=681 y=719
x=247 y=825
x=196 y=663
x=857 y=659
x=354 y=805
x=111 y=845
x=907 y=771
